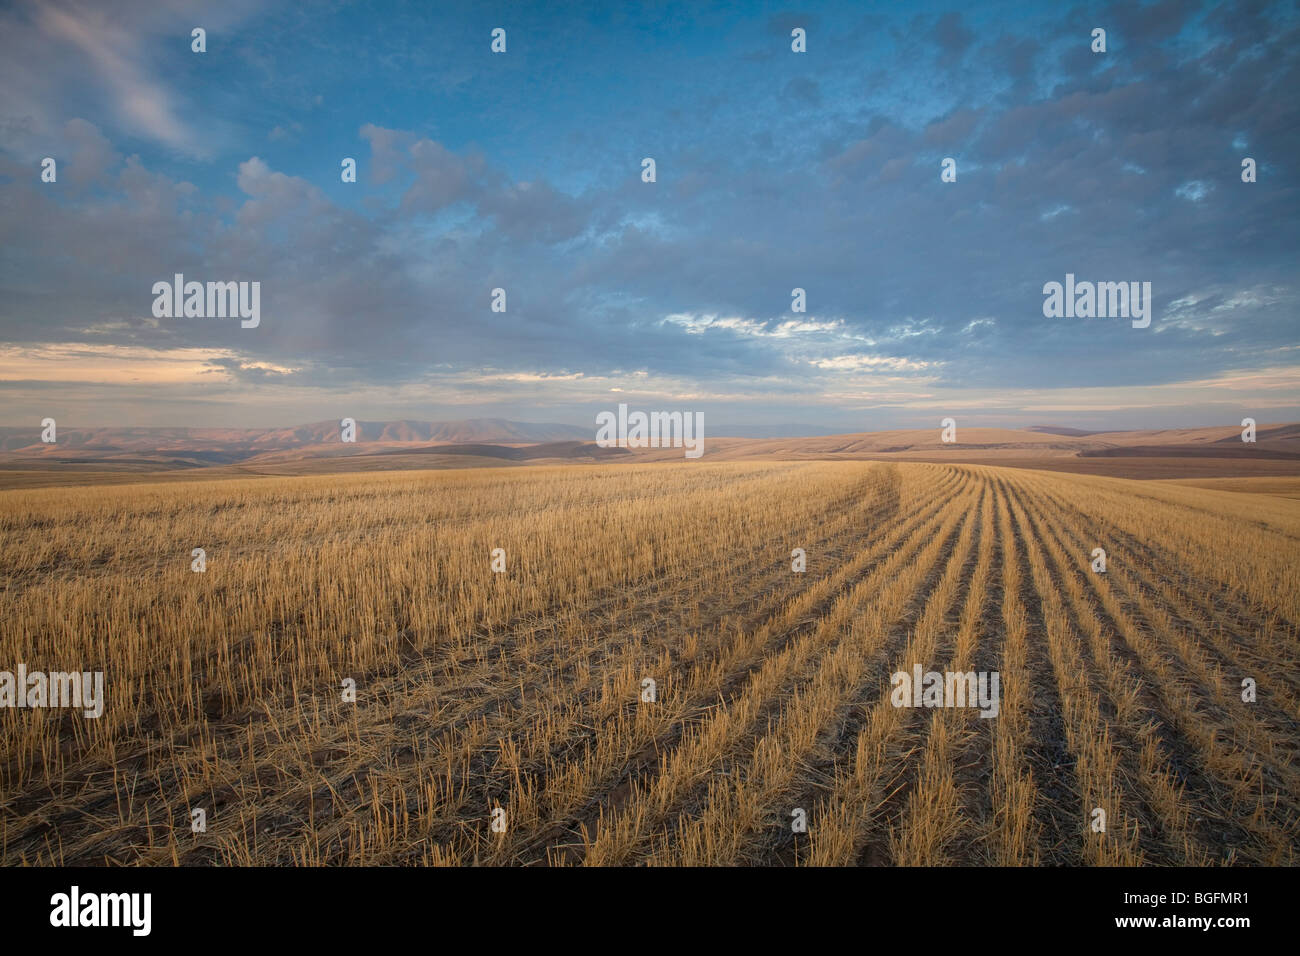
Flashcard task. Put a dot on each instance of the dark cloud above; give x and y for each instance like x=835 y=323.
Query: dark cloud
x=805 y=90
x=951 y=36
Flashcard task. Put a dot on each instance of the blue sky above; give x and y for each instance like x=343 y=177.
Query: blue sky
x=775 y=170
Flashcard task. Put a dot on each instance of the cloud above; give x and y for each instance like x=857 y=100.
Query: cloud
x=951 y=35
x=437 y=177
x=822 y=175
x=804 y=89
x=856 y=363
x=143 y=102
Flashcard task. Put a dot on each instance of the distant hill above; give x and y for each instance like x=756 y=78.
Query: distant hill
x=784 y=430
x=1059 y=430
x=558 y=449
x=236 y=444
x=1215 y=451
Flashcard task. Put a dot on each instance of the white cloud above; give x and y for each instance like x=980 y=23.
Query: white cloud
x=842 y=363
x=141 y=100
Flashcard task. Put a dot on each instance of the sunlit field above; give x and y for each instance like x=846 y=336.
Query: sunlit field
x=649 y=680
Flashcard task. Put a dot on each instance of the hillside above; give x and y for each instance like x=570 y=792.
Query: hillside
x=90 y=455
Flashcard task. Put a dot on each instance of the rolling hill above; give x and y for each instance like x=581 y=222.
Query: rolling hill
x=87 y=455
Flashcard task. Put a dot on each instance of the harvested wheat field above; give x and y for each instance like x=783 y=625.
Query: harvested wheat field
x=499 y=716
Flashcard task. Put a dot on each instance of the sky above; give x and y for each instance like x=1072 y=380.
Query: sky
x=775 y=170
